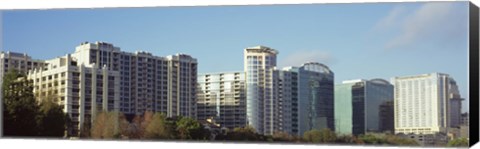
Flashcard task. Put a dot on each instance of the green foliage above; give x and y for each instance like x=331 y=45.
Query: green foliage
x=459 y=142
x=348 y=139
x=51 y=119
x=189 y=128
x=242 y=134
x=386 y=139
x=320 y=136
x=19 y=106
x=283 y=137
x=371 y=139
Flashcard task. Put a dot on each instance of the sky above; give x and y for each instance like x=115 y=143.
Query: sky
x=357 y=41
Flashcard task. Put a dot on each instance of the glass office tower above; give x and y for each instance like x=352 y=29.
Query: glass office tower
x=358 y=103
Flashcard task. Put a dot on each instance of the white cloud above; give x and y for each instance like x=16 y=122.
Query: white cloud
x=436 y=22
x=300 y=57
x=390 y=20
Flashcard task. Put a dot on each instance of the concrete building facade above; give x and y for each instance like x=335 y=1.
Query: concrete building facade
x=222 y=96
x=422 y=103
x=261 y=86
x=98 y=76
x=148 y=82
x=82 y=90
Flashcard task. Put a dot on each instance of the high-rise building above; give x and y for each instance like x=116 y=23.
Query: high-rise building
x=287 y=101
x=259 y=67
x=82 y=89
x=386 y=122
x=358 y=103
x=465 y=119
x=20 y=62
x=131 y=83
x=465 y=125
x=455 y=104
x=17 y=61
x=313 y=97
x=148 y=82
x=222 y=96
x=422 y=103
x=291 y=100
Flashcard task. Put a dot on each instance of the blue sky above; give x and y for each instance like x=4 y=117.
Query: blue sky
x=376 y=40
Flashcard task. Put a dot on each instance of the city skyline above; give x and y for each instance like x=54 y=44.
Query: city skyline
x=383 y=40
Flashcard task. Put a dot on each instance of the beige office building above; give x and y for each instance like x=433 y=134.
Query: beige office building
x=422 y=103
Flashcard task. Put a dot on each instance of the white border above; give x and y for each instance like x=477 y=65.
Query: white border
x=55 y=4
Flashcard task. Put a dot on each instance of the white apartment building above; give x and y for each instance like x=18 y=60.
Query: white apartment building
x=131 y=83
x=82 y=89
x=421 y=103
x=259 y=67
x=147 y=82
x=222 y=96
x=16 y=61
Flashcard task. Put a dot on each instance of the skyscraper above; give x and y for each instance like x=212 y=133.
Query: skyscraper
x=291 y=100
x=222 y=96
x=131 y=83
x=422 y=103
x=313 y=99
x=259 y=67
x=386 y=122
x=287 y=103
x=455 y=104
x=357 y=105
x=147 y=82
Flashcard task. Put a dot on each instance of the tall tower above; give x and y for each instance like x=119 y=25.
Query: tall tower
x=259 y=66
x=315 y=97
x=422 y=103
x=358 y=105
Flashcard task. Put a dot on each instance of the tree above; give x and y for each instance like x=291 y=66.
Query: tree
x=371 y=139
x=385 y=139
x=396 y=140
x=85 y=131
x=157 y=128
x=20 y=106
x=459 y=142
x=320 y=136
x=246 y=133
x=348 y=139
x=51 y=118
x=124 y=126
x=136 y=129
x=283 y=136
x=189 y=128
x=105 y=126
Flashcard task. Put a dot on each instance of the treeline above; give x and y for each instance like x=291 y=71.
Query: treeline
x=150 y=126
x=24 y=116
x=156 y=126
